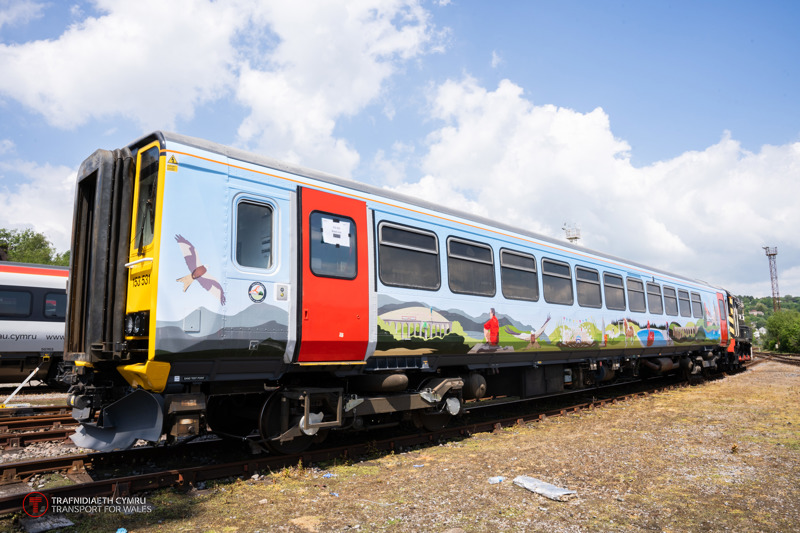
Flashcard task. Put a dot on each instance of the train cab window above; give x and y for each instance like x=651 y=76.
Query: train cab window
x=697 y=305
x=685 y=304
x=654 y=303
x=670 y=301
x=518 y=277
x=615 y=291
x=557 y=282
x=588 y=285
x=408 y=257
x=333 y=251
x=254 y=235
x=55 y=305
x=470 y=267
x=146 y=200
x=15 y=304
x=636 y=295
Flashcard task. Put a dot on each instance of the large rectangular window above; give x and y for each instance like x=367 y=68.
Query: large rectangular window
x=685 y=304
x=636 y=295
x=697 y=305
x=615 y=292
x=588 y=284
x=408 y=257
x=654 y=303
x=670 y=301
x=332 y=245
x=557 y=282
x=254 y=235
x=15 y=304
x=470 y=267
x=518 y=277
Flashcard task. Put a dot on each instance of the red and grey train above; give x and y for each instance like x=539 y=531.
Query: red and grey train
x=213 y=288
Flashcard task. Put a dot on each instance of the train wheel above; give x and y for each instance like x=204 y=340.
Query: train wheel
x=269 y=427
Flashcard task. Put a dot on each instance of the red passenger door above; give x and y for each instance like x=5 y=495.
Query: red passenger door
x=334 y=301
x=723 y=320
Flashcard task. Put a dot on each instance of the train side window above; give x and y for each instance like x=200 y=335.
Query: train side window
x=636 y=295
x=55 y=305
x=654 y=302
x=254 y=235
x=557 y=282
x=685 y=304
x=588 y=285
x=697 y=305
x=518 y=277
x=615 y=291
x=332 y=246
x=670 y=301
x=470 y=267
x=408 y=257
x=15 y=304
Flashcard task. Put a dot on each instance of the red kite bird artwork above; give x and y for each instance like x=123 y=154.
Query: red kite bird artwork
x=198 y=272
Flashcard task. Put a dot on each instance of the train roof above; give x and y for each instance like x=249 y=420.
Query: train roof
x=33 y=275
x=248 y=157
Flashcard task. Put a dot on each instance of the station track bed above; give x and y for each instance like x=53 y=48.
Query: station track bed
x=99 y=474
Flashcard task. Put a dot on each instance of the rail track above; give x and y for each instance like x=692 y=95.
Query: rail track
x=27 y=425
x=789 y=359
x=149 y=468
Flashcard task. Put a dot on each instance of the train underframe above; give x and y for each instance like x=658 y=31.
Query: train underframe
x=288 y=415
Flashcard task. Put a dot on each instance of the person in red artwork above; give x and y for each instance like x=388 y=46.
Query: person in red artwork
x=491 y=330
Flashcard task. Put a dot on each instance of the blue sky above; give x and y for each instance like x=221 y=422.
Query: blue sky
x=669 y=132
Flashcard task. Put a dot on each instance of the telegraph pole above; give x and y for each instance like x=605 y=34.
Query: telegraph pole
x=773 y=274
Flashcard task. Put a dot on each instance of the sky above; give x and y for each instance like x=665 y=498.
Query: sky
x=667 y=131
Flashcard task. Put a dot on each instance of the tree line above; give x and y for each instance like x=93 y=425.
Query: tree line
x=28 y=246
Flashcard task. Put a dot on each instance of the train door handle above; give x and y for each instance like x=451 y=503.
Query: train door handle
x=305 y=314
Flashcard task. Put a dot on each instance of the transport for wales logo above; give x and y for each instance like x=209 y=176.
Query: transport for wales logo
x=35 y=504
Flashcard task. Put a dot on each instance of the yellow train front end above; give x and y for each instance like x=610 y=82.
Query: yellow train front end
x=109 y=359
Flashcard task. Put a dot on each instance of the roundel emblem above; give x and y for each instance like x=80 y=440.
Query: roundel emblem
x=35 y=504
x=257 y=292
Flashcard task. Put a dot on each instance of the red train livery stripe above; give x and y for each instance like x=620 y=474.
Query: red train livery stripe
x=39 y=271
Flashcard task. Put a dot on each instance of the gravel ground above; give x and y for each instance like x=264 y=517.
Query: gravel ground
x=724 y=456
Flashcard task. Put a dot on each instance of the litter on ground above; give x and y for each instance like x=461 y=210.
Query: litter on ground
x=545 y=489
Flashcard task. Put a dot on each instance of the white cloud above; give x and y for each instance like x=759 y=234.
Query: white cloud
x=150 y=61
x=296 y=67
x=392 y=170
x=496 y=59
x=43 y=202
x=330 y=62
x=6 y=146
x=15 y=12
x=704 y=214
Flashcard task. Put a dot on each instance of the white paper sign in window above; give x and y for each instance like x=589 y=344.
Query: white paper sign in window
x=335 y=232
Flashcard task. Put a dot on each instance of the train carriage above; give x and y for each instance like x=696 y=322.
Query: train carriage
x=33 y=305
x=214 y=287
